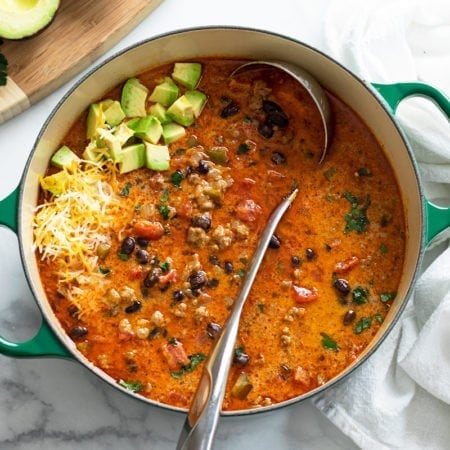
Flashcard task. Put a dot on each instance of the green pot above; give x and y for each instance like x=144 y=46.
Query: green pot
x=375 y=103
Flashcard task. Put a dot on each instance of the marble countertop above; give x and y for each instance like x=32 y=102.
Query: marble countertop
x=55 y=404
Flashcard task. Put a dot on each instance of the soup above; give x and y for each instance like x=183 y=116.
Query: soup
x=147 y=224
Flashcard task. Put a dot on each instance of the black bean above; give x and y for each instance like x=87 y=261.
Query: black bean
x=349 y=317
x=295 y=261
x=341 y=285
x=214 y=260
x=278 y=158
x=213 y=329
x=274 y=242
x=203 y=221
x=142 y=256
x=127 y=246
x=278 y=118
x=165 y=287
x=73 y=311
x=197 y=279
x=285 y=371
x=230 y=110
x=241 y=359
x=310 y=254
x=134 y=307
x=178 y=295
x=154 y=333
x=228 y=267
x=203 y=167
x=195 y=292
x=269 y=106
x=78 y=332
x=152 y=277
x=265 y=129
x=212 y=283
x=142 y=242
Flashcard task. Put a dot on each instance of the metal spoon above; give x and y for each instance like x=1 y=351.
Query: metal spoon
x=309 y=83
x=201 y=422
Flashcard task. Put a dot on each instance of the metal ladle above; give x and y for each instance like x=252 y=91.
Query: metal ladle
x=308 y=82
x=201 y=422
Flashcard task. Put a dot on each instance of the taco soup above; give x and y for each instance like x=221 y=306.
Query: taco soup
x=151 y=208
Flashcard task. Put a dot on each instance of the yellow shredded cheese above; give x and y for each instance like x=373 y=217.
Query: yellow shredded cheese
x=69 y=226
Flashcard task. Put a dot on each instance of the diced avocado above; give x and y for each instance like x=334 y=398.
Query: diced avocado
x=148 y=128
x=181 y=111
x=113 y=143
x=113 y=113
x=134 y=95
x=123 y=132
x=197 y=100
x=133 y=157
x=56 y=183
x=64 y=157
x=95 y=119
x=172 y=132
x=187 y=74
x=160 y=113
x=157 y=157
x=165 y=93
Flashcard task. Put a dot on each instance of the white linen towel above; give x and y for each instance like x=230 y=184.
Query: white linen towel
x=400 y=399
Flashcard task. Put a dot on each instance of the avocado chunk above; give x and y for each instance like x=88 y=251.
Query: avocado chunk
x=114 y=145
x=148 y=128
x=113 y=113
x=20 y=19
x=56 y=183
x=134 y=96
x=165 y=93
x=160 y=113
x=172 y=132
x=64 y=157
x=95 y=119
x=198 y=101
x=94 y=153
x=182 y=112
x=187 y=74
x=133 y=157
x=157 y=157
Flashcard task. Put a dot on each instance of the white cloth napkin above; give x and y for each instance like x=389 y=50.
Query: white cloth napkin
x=401 y=397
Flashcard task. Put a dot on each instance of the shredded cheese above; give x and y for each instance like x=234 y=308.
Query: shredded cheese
x=68 y=227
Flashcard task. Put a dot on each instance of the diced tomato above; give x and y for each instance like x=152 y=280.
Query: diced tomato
x=123 y=337
x=175 y=355
x=136 y=273
x=169 y=277
x=185 y=210
x=304 y=295
x=248 y=210
x=347 y=265
x=149 y=230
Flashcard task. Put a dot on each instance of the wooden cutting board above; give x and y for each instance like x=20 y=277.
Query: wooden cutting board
x=81 y=32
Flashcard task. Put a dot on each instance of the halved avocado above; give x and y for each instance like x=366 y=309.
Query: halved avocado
x=24 y=18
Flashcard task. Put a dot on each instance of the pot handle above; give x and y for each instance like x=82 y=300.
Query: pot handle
x=45 y=342
x=438 y=218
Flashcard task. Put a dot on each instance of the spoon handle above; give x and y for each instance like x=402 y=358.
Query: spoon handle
x=201 y=422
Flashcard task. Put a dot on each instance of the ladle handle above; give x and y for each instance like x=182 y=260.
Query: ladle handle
x=201 y=422
x=45 y=342
x=437 y=217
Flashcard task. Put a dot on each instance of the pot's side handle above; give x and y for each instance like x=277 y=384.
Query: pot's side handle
x=45 y=343
x=438 y=218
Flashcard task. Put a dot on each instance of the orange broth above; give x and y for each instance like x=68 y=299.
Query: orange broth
x=319 y=298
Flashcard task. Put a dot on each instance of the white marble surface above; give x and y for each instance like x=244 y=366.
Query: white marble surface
x=55 y=404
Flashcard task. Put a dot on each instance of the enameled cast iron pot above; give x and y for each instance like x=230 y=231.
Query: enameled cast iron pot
x=375 y=103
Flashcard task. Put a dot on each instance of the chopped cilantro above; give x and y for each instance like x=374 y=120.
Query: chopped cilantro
x=238 y=351
x=329 y=198
x=383 y=249
x=329 y=173
x=123 y=256
x=165 y=196
x=195 y=360
x=295 y=185
x=176 y=178
x=356 y=219
x=104 y=270
x=135 y=386
x=248 y=119
x=387 y=296
x=363 y=324
x=360 y=295
x=329 y=343
x=243 y=148
x=364 y=172
x=137 y=207
x=125 y=190
x=378 y=317
x=165 y=266
x=3 y=69
x=261 y=307
x=241 y=273
x=180 y=151
x=164 y=211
